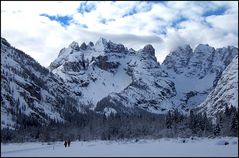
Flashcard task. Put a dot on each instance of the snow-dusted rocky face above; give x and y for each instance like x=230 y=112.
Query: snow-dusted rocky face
x=109 y=75
x=196 y=73
x=225 y=93
x=106 y=69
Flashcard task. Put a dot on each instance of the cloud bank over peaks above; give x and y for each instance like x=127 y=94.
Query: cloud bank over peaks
x=42 y=28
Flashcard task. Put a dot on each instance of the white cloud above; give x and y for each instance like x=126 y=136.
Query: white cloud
x=38 y=7
x=145 y=23
x=225 y=22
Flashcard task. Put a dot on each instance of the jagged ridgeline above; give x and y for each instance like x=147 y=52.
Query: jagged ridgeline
x=109 y=76
x=107 y=83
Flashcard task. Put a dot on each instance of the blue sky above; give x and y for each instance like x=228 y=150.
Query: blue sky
x=217 y=11
x=42 y=29
x=86 y=7
x=63 y=20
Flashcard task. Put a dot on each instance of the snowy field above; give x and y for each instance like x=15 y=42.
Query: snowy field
x=160 y=147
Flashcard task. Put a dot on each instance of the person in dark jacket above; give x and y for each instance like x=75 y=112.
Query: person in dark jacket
x=69 y=142
x=65 y=143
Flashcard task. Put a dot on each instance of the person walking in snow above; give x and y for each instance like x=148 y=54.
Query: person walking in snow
x=69 y=142
x=65 y=143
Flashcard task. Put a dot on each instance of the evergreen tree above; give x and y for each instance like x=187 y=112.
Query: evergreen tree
x=217 y=130
x=234 y=124
x=192 y=122
x=169 y=120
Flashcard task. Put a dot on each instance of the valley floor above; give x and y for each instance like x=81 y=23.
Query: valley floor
x=144 y=147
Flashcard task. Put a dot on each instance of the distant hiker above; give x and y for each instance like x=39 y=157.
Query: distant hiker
x=69 y=142
x=65 y=143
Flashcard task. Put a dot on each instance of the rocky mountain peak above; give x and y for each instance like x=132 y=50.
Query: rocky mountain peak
x=5 y=42
x=91 y=44
x=178 y=59
x=182 y=50
x=74 y=45
x=101 y=44
x=203 y=48
x=149 y=49
x=185 y=47
x=83 y=46
x=115 y=48
x=101 y=41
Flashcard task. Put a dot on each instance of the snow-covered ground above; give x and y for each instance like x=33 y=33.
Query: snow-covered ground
x=160 y=147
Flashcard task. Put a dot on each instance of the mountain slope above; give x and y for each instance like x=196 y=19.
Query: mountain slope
x=225 y=93
x=30 y=94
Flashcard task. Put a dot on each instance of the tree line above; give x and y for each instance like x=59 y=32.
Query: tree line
x=92 y=125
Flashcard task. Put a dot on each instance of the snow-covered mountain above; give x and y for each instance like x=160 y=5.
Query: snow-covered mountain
x=196 y=73
x=107 y=75
x=225 y=93
x=29 y=92
x=110 y=78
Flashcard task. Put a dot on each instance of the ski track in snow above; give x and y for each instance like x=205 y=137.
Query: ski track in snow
x=160 y=147
x=28 y=149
